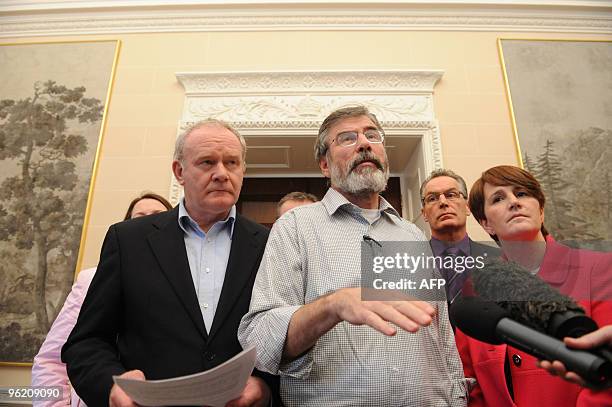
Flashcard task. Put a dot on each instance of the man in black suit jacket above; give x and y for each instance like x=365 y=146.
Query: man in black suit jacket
x=145 y=312
x=444 y=198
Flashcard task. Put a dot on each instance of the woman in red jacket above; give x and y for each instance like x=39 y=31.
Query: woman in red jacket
x=508 y=202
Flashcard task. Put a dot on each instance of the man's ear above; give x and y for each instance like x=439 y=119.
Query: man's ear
x=424 y=215
x=177 y=169
x=324 y=166
x=485 y=225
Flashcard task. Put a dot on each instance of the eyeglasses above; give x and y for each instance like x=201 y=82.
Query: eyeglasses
x=349 y=138
x=452 y=195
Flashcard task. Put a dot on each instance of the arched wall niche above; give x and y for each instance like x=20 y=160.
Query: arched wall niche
x=279 y=114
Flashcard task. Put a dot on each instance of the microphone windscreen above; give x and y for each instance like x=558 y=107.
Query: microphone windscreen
x=527 y=298
x=477 y=318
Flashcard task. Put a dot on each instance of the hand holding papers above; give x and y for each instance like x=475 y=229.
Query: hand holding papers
x=214 y=387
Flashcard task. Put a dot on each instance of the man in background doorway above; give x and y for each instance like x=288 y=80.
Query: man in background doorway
x=294 y=199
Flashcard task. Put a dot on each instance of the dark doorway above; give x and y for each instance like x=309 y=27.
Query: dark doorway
x=259 y=196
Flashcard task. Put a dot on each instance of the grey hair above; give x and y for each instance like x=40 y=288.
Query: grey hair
x=444 y=173
x=321 y=147
x=180 y=140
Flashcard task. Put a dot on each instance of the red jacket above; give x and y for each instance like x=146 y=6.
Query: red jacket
x=584 y=275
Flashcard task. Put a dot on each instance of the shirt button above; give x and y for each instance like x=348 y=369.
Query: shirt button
x=205 y=306
x=394 y=369
x=516 y=359
x=207 y=270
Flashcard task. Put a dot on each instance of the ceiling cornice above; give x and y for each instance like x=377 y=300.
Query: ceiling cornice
x=81 y=17
x=21 y=6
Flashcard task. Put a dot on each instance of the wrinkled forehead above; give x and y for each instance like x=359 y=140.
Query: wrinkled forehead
x=351 y=124
x=441 y=184
x=212 y=134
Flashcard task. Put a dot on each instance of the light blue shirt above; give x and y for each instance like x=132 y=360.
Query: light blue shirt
x=208 y=254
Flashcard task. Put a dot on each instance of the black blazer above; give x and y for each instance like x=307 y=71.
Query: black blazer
x=141 y=310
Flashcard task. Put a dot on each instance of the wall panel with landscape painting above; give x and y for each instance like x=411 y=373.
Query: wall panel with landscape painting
x=52 y=103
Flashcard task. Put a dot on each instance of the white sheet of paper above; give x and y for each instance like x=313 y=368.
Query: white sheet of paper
x=214 y=387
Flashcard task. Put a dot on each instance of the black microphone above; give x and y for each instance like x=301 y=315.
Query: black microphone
x=488 y=322
x=530 y=300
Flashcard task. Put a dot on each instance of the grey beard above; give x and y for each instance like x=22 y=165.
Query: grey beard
x=371 y=180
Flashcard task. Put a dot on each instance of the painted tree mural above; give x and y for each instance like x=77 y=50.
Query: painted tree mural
x=40 y=209
x=577 y=180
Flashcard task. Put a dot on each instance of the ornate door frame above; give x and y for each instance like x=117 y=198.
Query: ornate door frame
x=293 y=103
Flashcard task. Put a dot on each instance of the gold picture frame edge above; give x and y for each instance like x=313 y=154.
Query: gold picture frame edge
x=94 y=171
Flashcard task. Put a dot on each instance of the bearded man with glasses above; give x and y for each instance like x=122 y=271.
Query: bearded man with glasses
x=307 y=316
x=445 y=209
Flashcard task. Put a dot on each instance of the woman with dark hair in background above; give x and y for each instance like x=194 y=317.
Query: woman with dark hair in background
x=508 y=202
x=48 y=369
x=147 y=203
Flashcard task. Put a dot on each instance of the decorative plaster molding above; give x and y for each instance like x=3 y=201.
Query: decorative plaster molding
x=577 y=18
x=298 y=82
x=433 y=139
x=296 y=102
x=306 y=111
x=301 y=100
x=298 y=99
